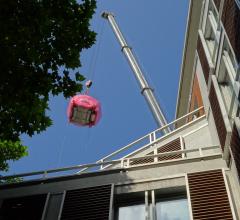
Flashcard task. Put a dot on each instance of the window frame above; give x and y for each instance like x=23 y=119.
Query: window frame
x=212 y=32
x=227 y=86
x=151 y=198
x=212 y=29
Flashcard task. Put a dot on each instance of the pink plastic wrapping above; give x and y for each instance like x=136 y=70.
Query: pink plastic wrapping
x=85 y=103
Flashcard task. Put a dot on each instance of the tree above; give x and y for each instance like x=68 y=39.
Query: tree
x=40 y=44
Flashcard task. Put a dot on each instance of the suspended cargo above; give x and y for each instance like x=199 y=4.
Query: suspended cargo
x=84 y=110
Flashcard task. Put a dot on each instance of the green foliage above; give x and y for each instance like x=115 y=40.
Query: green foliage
x=10 y=150
x=11 y=180
x=40 y=44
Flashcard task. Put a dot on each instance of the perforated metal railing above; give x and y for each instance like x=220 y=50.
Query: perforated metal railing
x=128 y=161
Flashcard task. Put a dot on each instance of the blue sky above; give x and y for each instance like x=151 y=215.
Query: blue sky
x=155 y=30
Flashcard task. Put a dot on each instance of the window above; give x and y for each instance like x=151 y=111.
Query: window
x=230 y=59
x=212 y=34
x=130 y=206
x=132 y=212
x=213 y=9
x=172 y=209
x=23 y=208
x=155 y=206
x=226 y=79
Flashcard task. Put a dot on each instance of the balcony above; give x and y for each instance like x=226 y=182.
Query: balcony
x=191 y=142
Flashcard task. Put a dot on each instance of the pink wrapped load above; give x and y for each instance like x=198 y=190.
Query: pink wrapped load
x=84 y=110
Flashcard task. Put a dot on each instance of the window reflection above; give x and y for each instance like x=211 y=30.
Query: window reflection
x=132 y=212
x=172 y=210
x=155 y=206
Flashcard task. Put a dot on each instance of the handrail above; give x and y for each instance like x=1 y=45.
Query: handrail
x=157 y=130
x=44 y=172
x=181 y=118
x=103 y=161
x=147 y=136
x=112 y=162
x=172 y=153
x=158 y=139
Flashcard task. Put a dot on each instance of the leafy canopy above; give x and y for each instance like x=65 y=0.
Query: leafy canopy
x=40 y=44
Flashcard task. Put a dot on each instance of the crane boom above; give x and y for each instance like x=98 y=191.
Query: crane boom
x=146 y=90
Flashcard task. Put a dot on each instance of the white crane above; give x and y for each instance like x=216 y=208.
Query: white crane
x=146 y=90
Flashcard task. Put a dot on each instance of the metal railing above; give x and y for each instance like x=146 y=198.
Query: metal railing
x=108 y=160
x=125 y=163
x=150 y=138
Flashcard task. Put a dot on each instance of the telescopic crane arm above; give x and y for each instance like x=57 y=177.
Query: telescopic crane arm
x=146 y=90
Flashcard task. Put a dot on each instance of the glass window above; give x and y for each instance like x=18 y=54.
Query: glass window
x=158 y=207
x=230 y=58
x=132 y=212
x=172 y=210
x=225 y=80
x=210 y=39
x=212 y=8
x=212 y=34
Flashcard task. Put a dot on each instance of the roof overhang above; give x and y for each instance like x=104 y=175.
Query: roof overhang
x=190 y=45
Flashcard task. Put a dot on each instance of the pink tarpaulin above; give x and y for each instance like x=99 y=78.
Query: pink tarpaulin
x=84 y=110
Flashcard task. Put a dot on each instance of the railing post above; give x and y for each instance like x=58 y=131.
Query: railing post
x=122 y=163
x=200 y=152
x=128 y=163
x=182 y=146
x=101 y=161
x=45 y=174
x=155 y=152
x=152 y=137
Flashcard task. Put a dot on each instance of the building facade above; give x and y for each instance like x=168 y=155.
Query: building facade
x=193 y=172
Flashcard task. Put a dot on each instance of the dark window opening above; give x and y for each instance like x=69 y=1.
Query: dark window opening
x=130 y=206
x=23 y=208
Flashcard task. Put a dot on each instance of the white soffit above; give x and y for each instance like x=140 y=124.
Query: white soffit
x=190 y=45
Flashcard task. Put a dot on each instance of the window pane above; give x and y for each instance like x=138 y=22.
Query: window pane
x=132 y=212
x=172 y=210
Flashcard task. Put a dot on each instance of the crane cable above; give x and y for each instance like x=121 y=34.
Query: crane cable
x=63 y=142
x=94 y=57
x=92 y=70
